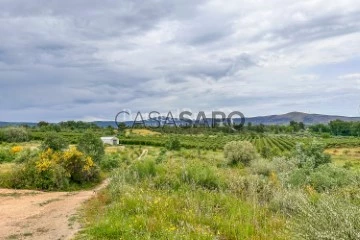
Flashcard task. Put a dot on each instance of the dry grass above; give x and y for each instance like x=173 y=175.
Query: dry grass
x=114 y=149
x=342 y=156
x=142 y=132
x=6 y=167
x=30 y=145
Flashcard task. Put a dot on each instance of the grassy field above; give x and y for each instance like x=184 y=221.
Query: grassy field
x=195 y=192
x=345 y=156
x=178 y=195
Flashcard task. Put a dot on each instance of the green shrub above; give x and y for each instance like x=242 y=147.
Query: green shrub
x=262 y=167
x=287 y=201
x=311 y=155
x=92 y=146
x=80 y=167
x=25 y=155
x=254 y=188
x=54 y=177
x=240 y=152
x=327 y=218
x=141 y=169
x=266 y=151
x=2 y=136
x=53 y=141
x=162 y=155
x=203 y=176
x=283 y=165
x=299 y=177
x=110 y=161
x=51 y=170
x=5 y=155
x=15 y=134
x=323 y=178
x=327 y=177
x=173 y=144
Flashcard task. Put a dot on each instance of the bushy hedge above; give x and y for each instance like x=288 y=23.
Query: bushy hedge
x=91 y=144
x=54 y=141
x=54 y=170
x=240 y=152
x=14 y=134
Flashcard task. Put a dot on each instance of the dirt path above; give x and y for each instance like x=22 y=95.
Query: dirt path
x=143 y=154
x=26 y=214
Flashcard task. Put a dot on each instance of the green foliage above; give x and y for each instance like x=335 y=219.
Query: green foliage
x=320 y=128
x=111 y=161
x=80 y=167
x=324 y=178
x=14 y=134
x=328 y=177
x=274 y=145
x=311 y=155
x=328 y=218
x=162 y=155
x=192 y=194
x=91 y=145
x=54 y=141
x=69 y=137
x=5 y=155
x=240 y=152
x=196 y=204
x=51 y=170
x=262 y=167
x=141 y=169
x=2 y=136
x=203 y=176
x=173 y=144
x=297 y=126
x=77 y=125
x=53 y=178
x=25 y=155
x=342 y=128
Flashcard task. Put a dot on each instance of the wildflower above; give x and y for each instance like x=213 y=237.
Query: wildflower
x=16 y=149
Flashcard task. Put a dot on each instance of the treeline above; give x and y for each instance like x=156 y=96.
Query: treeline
x=334 y=128
x=292 y=127
x=66 y=126
x=337 y=128
x=70 y=131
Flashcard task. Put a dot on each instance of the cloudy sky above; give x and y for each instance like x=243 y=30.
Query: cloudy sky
x=87 y=59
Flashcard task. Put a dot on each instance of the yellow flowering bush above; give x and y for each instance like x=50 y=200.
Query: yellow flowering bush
x=16 y=149
x=52 y=170
x=46 y=159
x=80 y=167
x=89 y=163
x=43 y=171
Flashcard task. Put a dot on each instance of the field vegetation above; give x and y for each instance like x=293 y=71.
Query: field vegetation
x=207 y=184
x=202 y=194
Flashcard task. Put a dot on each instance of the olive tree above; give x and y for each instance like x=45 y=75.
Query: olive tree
x=240 y=152
x=54 y=141
x=15 y=134
x=91 y=145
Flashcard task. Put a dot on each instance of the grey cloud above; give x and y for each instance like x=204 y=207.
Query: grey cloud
x=75 y=59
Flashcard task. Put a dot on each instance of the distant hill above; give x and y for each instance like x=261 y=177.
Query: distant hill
x=282 y=119
x=306 y=118
x=6 y=124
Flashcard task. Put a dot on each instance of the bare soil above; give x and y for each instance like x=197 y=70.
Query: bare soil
x=27 y=214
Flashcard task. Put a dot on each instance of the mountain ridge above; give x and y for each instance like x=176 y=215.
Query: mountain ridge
x=276 y=119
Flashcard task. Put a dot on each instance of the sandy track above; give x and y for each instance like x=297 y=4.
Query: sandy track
x=26 y=214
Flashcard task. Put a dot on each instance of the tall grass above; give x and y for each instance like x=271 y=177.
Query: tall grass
x=177 y=199
x=191 y=194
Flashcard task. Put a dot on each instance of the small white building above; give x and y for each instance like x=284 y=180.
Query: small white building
x=110 y=140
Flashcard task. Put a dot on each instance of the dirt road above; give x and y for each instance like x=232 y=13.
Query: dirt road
x=26 y=214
